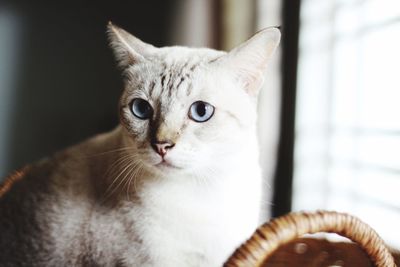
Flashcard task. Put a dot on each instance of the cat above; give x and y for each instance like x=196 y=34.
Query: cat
x=176 y=183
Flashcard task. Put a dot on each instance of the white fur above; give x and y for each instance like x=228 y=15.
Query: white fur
x=197 y=212
x=187 y=223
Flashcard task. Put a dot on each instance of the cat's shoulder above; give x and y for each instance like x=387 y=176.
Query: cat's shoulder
x=29 y=182
x=74 y=162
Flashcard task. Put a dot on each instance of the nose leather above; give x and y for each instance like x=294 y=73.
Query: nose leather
x=162 y=147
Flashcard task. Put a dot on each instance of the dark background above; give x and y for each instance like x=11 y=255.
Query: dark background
x=68 y=86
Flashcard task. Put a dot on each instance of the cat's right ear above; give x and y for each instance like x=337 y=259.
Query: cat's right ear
x=128 y=49
x=249 y=60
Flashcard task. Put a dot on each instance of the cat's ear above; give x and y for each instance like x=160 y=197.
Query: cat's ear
x=249 y=60
x=127 y=48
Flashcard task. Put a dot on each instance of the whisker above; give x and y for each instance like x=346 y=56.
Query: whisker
x=127 y=177
x=126 y=171
x=118 y=162
x=139 y=174
x=132 y=175
x=109 y=191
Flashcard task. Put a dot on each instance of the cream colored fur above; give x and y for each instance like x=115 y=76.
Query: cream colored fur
x=110 y=201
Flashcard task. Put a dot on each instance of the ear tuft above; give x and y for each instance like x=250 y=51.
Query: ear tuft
x=250 y=59
x=127 y=48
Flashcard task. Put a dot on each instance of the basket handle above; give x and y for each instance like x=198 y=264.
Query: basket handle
x=282 y=230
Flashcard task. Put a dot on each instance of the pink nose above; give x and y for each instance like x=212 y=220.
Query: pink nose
x=162 y=147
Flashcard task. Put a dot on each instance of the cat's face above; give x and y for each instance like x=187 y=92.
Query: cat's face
x=189 y=109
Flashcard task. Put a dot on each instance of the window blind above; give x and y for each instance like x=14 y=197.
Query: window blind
x=347 y=146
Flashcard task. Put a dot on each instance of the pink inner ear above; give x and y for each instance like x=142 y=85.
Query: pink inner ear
x=252 y=82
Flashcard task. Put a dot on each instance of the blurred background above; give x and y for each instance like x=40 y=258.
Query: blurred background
x=329 y=126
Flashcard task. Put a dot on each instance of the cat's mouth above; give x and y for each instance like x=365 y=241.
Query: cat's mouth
x=166 y=164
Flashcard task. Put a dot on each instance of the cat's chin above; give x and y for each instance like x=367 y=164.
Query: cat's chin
x=163 y=165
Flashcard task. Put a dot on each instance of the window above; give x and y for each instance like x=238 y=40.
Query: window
x=347 y=152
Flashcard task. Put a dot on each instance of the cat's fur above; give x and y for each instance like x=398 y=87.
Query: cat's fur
x=106 y=202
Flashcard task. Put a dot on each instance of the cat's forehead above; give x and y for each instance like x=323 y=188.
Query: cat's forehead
x=173 y=72
x=182 y=61
x=178 y=56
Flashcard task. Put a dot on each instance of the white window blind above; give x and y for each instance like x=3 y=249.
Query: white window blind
x=347 y=152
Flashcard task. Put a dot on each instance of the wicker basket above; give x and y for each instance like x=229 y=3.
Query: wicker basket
x=269 y=241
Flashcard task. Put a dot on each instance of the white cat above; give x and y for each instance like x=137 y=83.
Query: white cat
x=177 y=183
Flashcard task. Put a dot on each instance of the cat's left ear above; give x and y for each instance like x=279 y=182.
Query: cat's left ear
x=127 y=48
x=249 y=60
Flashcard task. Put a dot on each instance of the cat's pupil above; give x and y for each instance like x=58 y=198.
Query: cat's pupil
x=143 y=107
x=201 y=109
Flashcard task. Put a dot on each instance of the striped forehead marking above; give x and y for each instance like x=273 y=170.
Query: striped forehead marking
x=172 y=77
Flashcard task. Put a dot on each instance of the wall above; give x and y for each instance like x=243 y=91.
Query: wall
x=58 y=82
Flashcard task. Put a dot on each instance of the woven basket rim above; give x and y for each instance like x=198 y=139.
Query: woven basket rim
x=282 y=230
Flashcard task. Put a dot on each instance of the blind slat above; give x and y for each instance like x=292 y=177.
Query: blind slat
x=347 y=152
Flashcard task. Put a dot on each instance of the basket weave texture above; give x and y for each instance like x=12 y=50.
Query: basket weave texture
x=265 y=246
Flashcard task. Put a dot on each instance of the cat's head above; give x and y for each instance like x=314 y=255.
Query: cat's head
x=189 y=109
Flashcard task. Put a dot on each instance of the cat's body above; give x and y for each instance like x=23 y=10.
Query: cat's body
x=165 y=188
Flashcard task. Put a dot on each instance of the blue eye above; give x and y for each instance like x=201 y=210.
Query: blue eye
x=141 y=108
x=201 y=111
